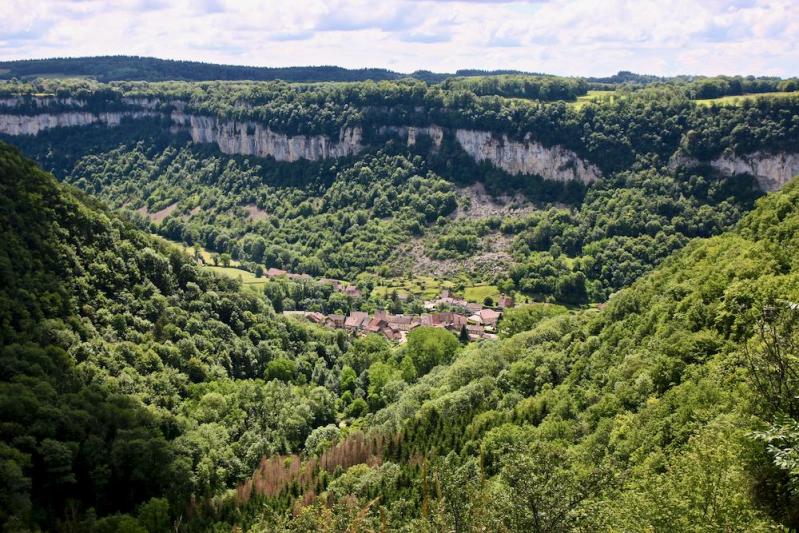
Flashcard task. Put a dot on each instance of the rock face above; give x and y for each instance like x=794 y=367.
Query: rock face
x=515 y=157
x=411 y=133
x=33 y=124
x=250 y=138
x=526 y=157
x=153 y=104
x=771 y=170
x=41 y=102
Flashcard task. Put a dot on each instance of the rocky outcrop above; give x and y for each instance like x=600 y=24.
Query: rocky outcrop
x=250 y=138
x=526 y=157
x=32 y=124
x=411 y=133
x=41 y=102
x=771 y=170
x=515 y=157
x=242 y=137
x=153 y=104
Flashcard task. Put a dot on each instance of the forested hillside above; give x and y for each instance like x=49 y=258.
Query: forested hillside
x=137 y=391
x=626 y=182
x=672 y=409
x=110 y=68
x=130 y=379
x=508 y=83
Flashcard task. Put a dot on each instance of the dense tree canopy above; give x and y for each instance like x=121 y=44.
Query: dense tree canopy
x=137 y=389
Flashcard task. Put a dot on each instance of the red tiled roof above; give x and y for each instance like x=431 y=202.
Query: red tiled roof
x=315 y=317
x=356 y=319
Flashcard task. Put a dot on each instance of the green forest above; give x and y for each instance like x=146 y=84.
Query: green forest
x=342 y=218
x=134 y=384
x=153 y=377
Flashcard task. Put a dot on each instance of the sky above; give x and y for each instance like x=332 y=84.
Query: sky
x=568 y=37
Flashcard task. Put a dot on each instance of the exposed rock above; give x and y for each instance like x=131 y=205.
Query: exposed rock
x=411 y=133
x=250 y=138
x=515 y=157
x=41 y=102
x=33 y=124
x=159 y=215
x=153 y=104
x=526 y=157
x=771 y=170
x=480 y=204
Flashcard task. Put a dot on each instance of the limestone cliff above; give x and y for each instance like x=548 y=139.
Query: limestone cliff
x=11 y=124
x=41 y=102
x=526 y=157
x=411 y=133
x=515 y=157
x=251 y=138
x=771 y=170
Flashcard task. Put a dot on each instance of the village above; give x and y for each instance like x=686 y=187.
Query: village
x=465 y=319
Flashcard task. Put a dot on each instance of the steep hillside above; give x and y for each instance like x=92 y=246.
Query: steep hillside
x=137 y=390
x=367 y=181
x=319 y=121
x=673 y=409
x=130 y=379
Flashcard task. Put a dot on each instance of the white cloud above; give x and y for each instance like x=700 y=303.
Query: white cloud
x=584 y=37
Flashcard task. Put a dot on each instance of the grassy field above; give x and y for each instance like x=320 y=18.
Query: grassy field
x=247 y=278
x=428 y=288
x=205 y=254
x=594 y=97
x=478 y=293
x=425 y=287
x=737 y=100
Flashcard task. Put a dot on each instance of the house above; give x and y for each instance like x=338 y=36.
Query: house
x=316 y=318
x=356 y=321
x=476 y=319
x=375 y=325
x=393 y=335
x=489 y=317
x=475 y=332
x=399 y=322
x=335 y=321
x=440 y=319
x=275 y=272
x=473 y=308
x=458 y=321
x=505 y=301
